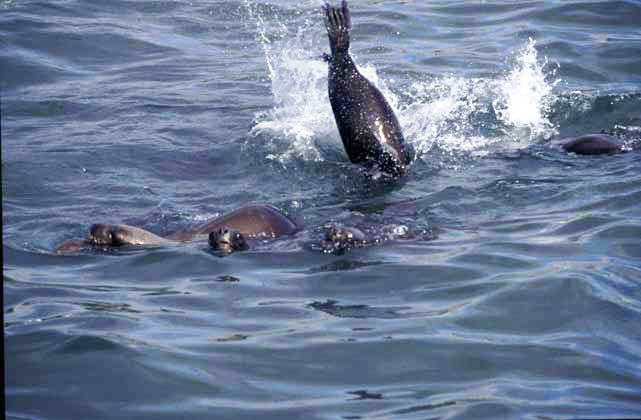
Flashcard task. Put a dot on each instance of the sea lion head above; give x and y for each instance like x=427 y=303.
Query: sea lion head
x=227 y=241
x=344 y=234
x=107 y=235
x=339 y=239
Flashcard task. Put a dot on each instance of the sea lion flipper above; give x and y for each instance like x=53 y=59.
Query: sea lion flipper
x=72 y=246
x=338 y=23
x=347 y=18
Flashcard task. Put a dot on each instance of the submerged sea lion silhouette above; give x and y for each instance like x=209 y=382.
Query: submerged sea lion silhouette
x=591 y=144
x=367 y=124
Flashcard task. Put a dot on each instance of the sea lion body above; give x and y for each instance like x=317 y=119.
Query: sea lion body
x=253 y=222
x=592 y=144
x=366 y=122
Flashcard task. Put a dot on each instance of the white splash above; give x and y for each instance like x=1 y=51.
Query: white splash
x=439 y=114
x=301 y=110
x=458 y=114
x=301 y=114
x=525 y=97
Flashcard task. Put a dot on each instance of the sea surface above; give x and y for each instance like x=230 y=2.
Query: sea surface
x=513 y=290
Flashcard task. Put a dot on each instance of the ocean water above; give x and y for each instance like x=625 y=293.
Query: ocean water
x=516 y=292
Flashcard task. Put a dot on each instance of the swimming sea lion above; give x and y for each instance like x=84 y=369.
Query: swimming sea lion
x=591 y=144
x=254 y=222
x=367 y=124
x=229 y=231
x=227 y=241
x=119 y=235
x=339 y=239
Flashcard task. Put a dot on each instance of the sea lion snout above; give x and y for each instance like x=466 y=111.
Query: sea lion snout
x=105 y=235
x=344 y=234
x=227 y=240
x=339 y=239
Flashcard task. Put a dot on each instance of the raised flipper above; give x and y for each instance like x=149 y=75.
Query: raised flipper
x=339 y=24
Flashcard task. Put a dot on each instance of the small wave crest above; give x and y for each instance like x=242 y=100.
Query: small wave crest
x=456 y=114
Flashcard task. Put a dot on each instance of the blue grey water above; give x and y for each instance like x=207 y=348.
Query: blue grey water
x=516 y=292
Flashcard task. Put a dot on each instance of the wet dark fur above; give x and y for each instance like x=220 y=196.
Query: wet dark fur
x=592 y=144
x=367 y=124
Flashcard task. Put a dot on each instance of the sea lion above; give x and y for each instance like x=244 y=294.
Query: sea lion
x=591 y=144
x=120 y=235
x=254 y=222
x=367 y=124
x=340 y=238
x=227 y=241
x=230 y=233
x=227 y=233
